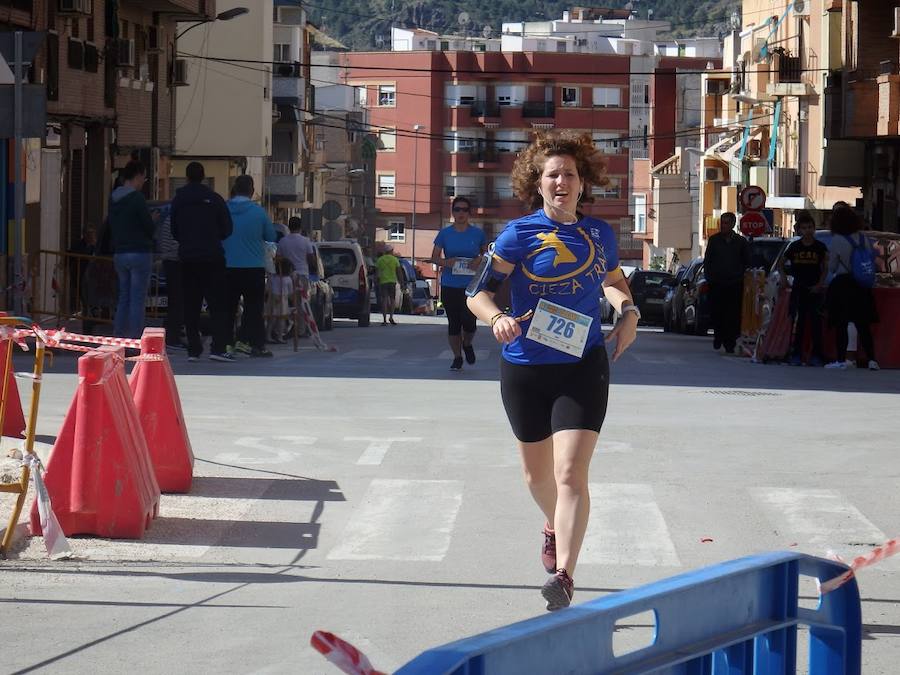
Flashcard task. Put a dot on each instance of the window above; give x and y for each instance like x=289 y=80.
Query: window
x=506 y=141
x=561 y=46
x=460 y=94
x=445 y=45
x=461 y=141
x=608 y=191
x=607 y=142
x=361 y=96
x=640 y=214
x=386 y=185
x=510 y=94
x=570 y=96
x=282 y=53
x=607 y=97
x=337 y=260
x=387 y=95
x=397 y=231
x=503 y=187
x=431 y=45
x=52 y=66
x=387 y=140
x=541 y=45
x=76 y=54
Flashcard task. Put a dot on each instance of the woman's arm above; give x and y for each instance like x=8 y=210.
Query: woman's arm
x=436 y=258
x=482 y=305
x=619 y=295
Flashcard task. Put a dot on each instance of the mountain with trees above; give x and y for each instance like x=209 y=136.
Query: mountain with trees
x=366 y=24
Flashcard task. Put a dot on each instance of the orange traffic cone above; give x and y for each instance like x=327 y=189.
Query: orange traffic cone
x=99 y=475
x=159 y=408
x=13 y=418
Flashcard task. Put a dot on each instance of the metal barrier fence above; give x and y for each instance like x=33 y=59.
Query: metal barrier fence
x=739 y=617
x=67 y=287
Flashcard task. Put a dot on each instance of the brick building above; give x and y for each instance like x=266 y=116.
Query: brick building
x=451 y=122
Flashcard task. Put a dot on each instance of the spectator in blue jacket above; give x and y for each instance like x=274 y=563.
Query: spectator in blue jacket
x=245 y=259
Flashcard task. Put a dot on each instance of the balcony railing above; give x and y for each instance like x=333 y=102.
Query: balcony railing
x=532 y=109
x=485 y=109
x=282 y=168
x=789 y=69
x=485 y=154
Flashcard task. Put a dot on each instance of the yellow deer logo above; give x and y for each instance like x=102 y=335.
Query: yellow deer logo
x=550 y=240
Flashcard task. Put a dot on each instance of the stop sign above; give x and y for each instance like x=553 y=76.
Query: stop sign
x=753 y=224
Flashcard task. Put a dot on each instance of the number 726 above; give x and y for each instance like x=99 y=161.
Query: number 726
x=561 y=326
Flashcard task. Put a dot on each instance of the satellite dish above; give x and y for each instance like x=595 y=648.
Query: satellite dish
x=487 y=31
x=799 y=6
x=463 y=18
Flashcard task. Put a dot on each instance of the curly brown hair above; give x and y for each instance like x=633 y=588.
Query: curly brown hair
x=529 y=164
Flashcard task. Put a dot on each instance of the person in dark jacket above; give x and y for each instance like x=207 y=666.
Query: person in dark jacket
x=131 y=229
x=245 y=256
x=200 y=222
x=727 y=257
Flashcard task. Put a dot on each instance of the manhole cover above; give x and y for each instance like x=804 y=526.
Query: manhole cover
x=739 y=392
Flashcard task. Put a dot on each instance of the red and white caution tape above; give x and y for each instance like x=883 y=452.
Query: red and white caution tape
x=311 y=322
x=876 y=555
x=54 y=539
x=128 y=343
x=342 y=654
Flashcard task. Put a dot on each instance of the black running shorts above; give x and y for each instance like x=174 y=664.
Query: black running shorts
x=543 y=399
x=459 y=318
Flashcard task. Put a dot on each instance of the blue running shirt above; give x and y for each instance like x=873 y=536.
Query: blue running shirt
x=565 y=264
x=454 y=244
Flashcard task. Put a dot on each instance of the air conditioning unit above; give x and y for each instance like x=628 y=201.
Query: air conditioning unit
x=125 y=57
x=896 y=33
x=75 y=7
x=801 y=7
x=179 y=73
x=712 y=174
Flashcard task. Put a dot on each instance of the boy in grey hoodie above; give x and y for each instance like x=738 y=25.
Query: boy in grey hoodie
x=132 y=230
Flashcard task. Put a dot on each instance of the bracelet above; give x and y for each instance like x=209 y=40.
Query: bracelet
x=632 y=308
x=497 y=317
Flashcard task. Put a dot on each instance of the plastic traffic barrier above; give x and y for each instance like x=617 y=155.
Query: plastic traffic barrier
x=159 y=408
x=739 y=617
x=99 y=475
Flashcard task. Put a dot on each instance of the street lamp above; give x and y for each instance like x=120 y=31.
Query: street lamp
x=416 y=129
x=227 y=15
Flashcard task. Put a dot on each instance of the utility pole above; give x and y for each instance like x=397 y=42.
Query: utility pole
x=416 y=128
x=18 y=180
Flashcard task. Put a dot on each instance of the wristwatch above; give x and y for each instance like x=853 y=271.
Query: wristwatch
x=632 y=308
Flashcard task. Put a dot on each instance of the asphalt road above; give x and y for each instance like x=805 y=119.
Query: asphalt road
x=375 y=494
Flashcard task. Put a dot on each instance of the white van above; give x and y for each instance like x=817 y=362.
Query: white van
x=345 y=271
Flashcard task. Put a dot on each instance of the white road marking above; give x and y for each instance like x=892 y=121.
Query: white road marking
x=626 y=528
x=480 y=354
x=369 y=353
x=378 y=447
x=409 y=520
x=658 y=360
x=820 y=520
x=613 y=446
x=271 y=455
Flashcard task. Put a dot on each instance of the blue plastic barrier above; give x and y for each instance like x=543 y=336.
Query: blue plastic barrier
x=739 y=618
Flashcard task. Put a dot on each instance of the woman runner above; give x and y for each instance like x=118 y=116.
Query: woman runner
x=456 y=251
x=554 y=374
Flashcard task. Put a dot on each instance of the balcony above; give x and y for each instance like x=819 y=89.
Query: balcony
x=485 y=109
x=538 y=109
x=789 y=79
x=485 y=154
x=284 y=182
x=287 y=85
x=888 y=105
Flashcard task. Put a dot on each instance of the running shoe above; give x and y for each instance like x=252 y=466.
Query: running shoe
x=256 y=353
x=548 y=550
x=193 y=359
x=470 y=354
x=836 y=365
x=242 y=347
x=558 y=591
x=873 y=365
x=393 y=323
x=457 y=363
x=223 y=357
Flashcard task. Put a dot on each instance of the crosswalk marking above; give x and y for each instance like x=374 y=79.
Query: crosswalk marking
x=369 y=353
x=820 y=520
x=480 y=354
x=390 y=523
x=378 y=447
x=626 y=528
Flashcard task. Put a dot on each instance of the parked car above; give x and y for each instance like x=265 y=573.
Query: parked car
x=321 y=295
x=346 y=272
x=402 y=293
x=422 y=301
x=677 y=301
x=648 y=289
x=695 y=314
x=673 y=290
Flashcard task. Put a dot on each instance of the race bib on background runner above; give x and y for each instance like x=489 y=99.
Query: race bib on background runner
x=560 y=328
x=461 y=266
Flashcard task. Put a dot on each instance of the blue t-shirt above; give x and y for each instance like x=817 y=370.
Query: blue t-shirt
x=455 y=244
x=565 y=264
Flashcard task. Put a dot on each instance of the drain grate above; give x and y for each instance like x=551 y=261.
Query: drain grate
x=739 y=392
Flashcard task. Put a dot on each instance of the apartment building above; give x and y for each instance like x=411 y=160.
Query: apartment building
x=224 y=111
x=764 y=115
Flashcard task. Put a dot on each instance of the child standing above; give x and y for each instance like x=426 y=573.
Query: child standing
x=281 y=290
x=807 y=261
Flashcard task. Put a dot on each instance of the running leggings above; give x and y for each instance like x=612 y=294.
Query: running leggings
x=459 y=317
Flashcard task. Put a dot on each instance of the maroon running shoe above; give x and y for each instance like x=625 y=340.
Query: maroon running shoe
x=558 y=591
x=548 y=550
